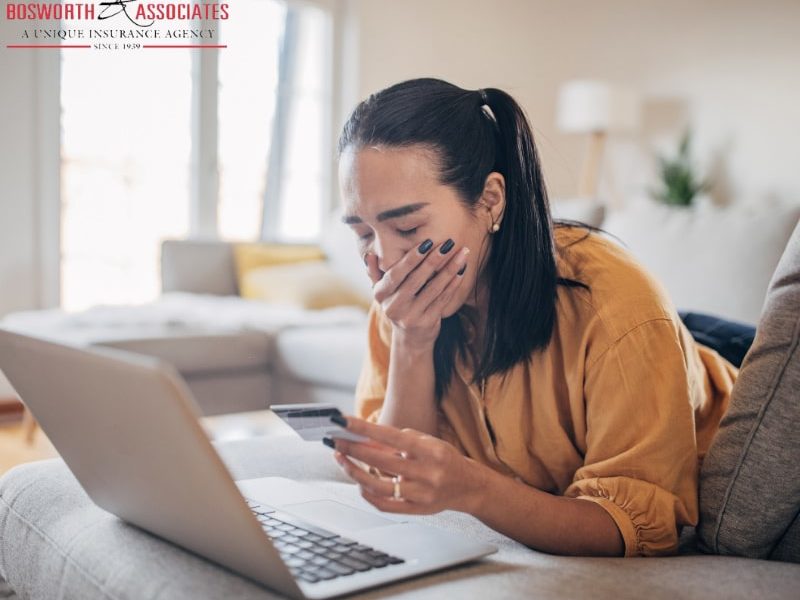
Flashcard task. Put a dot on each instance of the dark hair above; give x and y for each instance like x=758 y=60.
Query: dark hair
x=470 y=142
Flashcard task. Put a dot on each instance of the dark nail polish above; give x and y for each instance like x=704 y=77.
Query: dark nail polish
x=425 y=246
x=339 y=420
x=329 y=442
x=447 y=246
x=461 y=270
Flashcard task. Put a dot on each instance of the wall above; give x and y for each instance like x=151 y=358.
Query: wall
x=727 y=66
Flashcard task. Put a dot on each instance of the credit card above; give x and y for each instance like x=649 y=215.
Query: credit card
x=312 y=421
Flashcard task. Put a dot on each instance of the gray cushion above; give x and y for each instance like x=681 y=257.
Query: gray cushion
x=198 y=266
x=750 y=479
x=198 y=352
x=788 y=548
x=329 y=356
x=55 y=543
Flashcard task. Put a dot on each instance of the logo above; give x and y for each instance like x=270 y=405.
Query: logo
x=116 y=25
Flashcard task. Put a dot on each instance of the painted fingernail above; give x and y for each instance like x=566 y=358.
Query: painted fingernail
x=329 y=442
x=461 y=270
x=447 y=246
x=339 y=420
x=425 y=246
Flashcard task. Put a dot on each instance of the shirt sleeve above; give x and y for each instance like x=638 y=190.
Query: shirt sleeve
x=640 y=461
x=373 y=379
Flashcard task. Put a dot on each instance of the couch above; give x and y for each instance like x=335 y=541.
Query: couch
x=55 y=543
x=235 y=354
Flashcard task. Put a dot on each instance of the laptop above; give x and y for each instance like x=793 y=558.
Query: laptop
x=127 y=426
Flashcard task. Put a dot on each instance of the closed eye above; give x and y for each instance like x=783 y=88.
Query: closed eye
x=403 y=232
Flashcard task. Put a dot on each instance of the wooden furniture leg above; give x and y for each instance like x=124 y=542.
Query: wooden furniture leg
x=29 y=426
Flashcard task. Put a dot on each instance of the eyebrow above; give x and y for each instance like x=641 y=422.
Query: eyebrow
x=389 y=214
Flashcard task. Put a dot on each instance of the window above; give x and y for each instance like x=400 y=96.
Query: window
x=126 y=146
x=246 y=112
x=274 y=121
x=303 y=174
x=124 y=171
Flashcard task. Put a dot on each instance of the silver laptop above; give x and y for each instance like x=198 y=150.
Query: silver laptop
x=128 y=428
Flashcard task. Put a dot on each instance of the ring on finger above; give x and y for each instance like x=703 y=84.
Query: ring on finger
x=396 y=480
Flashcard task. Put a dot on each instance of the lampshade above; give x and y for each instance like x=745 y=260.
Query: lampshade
x=586 y=106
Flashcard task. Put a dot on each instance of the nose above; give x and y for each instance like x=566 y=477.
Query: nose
x=388 y=254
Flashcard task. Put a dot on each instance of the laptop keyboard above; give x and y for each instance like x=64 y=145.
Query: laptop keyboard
x=314 y=554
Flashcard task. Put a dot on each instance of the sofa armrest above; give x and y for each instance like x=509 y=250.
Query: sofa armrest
x=198 y=266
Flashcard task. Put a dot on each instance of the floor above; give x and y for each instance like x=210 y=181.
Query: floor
x=14 y=448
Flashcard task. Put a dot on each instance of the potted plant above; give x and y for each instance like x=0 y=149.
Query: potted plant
x=679 y=181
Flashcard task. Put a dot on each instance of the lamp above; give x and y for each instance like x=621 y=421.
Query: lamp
x=596 y=108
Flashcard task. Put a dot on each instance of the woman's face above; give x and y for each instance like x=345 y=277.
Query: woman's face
x=394 y=202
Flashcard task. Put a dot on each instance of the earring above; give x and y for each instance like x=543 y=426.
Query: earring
x=495 y=226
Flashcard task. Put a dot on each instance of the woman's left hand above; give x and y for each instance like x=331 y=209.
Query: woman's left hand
x=434 y=476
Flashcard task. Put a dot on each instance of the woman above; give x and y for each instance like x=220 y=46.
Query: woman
x=531 y=374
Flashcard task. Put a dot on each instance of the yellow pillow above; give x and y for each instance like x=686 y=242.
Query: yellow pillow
x=310 y=284
x=251 y=256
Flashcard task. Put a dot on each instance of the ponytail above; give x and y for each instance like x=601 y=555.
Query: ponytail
x=522 y=265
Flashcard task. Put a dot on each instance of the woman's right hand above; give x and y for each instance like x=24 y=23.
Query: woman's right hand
x=415 y=290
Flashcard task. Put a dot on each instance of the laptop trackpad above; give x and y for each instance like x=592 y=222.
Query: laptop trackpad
x=337 y=516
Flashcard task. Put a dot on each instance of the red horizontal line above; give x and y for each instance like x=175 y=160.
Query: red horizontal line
x=44 y=46
x=186 y=46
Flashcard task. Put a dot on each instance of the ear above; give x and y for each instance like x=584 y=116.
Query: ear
x=493 y=197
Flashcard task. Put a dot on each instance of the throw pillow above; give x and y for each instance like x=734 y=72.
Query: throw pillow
x=310 y=284
x=750 y=477
x=716 y=261
x=247 y=257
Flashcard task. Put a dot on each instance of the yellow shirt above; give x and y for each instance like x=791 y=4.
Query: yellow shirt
x=619 y=409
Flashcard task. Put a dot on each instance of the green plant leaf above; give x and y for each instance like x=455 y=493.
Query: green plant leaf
x=678 y=178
